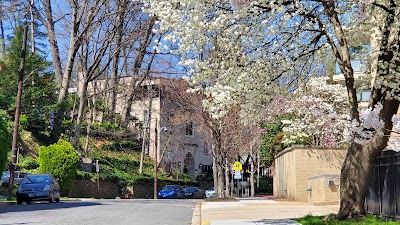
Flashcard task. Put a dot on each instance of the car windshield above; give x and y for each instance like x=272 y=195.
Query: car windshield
x=29 y=179
x=190 y=189
x=169 y=188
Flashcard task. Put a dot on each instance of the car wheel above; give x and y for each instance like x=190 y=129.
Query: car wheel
x=193 y=196
x=57 y=200
x=19 y=202
x=28 y=202
x=51 y=200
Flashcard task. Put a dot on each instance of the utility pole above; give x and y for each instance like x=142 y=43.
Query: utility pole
x=21 y=71
x=155 y=159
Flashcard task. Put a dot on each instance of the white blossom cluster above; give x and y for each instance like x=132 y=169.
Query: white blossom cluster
x=250 y=46
x=370 y=124
x=244 y=50
x=321 y=114
x=394 y=141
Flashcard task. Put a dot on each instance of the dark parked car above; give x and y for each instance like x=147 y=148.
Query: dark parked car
x=38 y=187
x=171 y=191
x=194 y=192
x=18 y=176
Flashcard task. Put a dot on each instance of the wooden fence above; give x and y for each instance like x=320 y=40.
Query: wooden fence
x=383 y=197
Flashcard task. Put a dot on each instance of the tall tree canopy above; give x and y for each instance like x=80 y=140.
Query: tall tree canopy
x=39 y=94
x=250 y=47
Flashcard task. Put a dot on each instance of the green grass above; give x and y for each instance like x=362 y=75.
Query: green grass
x=226 y=199
x=13 y=199
x=330 y=220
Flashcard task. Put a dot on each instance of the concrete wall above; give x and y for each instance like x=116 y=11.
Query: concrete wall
x=321 y=190
x=295 y=165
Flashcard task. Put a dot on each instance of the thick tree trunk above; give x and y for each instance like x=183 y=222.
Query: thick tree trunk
x=136 y=72
x=62 y=78
x=220 y=186
x=227 y=182
x=252 y=190
x=146 y=134
x=215 y=170
x=359 y=165
x=218 y=164
x=360 y=160
x=115 y=59
x=82 y=99
x=89 y=123
x=63 y=90
x=55 y=53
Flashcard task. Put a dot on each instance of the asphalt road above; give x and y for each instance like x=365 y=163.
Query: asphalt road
x=101 y=212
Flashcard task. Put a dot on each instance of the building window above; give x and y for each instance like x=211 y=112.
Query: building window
x=206 y=168
x=205 y=148
x=355 y=64
x=189 y=129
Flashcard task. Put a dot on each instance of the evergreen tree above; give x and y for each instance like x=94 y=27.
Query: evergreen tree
x=39 y=95
x=5 y=140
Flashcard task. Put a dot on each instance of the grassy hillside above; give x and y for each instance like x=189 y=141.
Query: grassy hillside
x=119 y=159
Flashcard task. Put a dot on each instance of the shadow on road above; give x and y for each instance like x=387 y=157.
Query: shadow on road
x=37 y=206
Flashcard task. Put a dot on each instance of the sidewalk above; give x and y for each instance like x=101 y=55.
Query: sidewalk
x=259 y=211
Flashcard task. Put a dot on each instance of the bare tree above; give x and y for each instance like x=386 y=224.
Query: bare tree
x=123 y=7
x=92 y=61
x=144 y=43
x=78 y=17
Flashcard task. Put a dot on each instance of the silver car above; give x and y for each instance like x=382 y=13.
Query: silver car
x=18 y=176
x=210 y=193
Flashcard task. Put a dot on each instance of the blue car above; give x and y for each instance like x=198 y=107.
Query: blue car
x=171 y=191
x=38 y=187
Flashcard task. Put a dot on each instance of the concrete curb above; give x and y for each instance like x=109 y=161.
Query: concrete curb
x=3 y=204
x=196 y=218
x=204 y=222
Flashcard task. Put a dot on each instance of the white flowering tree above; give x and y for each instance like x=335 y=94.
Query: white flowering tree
x=249 y=48
x=321 y=114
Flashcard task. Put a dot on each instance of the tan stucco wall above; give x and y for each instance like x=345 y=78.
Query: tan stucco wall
x=295 y=165
x=320 y=191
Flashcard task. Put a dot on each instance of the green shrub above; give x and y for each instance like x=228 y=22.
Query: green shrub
x=4 y=191
x=204 y=177
x=28 y=163
x=265 y=185
x=122 y=146
x=60 y=160
x=23 y=121
x=5 y=141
